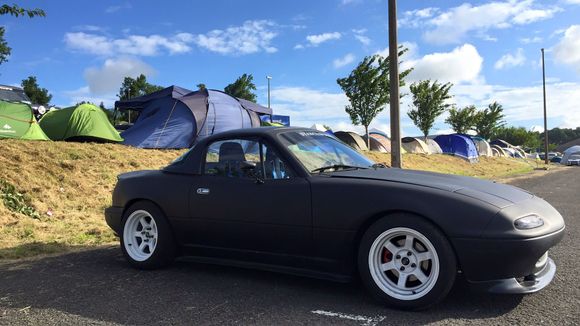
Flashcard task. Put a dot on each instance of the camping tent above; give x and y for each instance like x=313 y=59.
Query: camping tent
x=415 y=145
x=434 y=148
x=459 y=145
x=574 y=150
x=85 y=122
x=501 y=143
x=483 y=147
x=320 y=127
x=384 y=140
x=352 y=139
x=175 y=117
x=17 y=121
x=498 y=151
x=376 y=145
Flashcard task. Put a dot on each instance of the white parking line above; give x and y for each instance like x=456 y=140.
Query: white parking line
x=365 y=321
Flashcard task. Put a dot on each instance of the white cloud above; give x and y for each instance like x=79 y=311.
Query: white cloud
x=251 y=37
x=349 y=2
x=107 y=79
x=415 y=18
x=359 y=34
x=133 y=44
x=462 y=64
x=526 y=103
x=509 y=60
x=341 y=62
x=315 y=40
x=453 y=25
x=529 y=40
x=83 y=94
x=112 y=9
x=534 y=15
x=572 y=2
x=567 y=51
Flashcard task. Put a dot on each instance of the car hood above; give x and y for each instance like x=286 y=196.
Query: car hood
x=497 y=194
x=137 y=174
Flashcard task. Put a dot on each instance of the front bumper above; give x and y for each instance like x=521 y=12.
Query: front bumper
x=529 y=284
x=113 y=217
x=484 y=259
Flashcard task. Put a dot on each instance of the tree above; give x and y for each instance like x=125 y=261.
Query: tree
x=201 y=87
x=367 y=89
x=15 y=11
x=462 y=120
x=134 y=87
x=429 y=102
x=36 y=94
x=5 y=50
x=242 y=88
x=489 y=120
x=518 y=136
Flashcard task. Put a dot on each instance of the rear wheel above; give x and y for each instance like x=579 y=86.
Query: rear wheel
x=147 y=240
x=406 y=262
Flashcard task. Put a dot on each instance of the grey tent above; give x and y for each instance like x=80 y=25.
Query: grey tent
x=176 y=117
x=376 y=145
x=352 y=139
x=415 y=145
x=381 y=138
x=571 y=152
x=434 y=148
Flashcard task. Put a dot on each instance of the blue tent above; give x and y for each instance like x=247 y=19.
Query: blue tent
x=459 y=145
x=175 y=117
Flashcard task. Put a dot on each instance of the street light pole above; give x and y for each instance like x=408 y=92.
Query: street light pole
x=269 y=77
x=396 y=158
x=546 y=159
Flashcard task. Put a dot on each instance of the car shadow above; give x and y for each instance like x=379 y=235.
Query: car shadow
x=99 y=285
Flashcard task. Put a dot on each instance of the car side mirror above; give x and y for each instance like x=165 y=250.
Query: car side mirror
x=249 y=168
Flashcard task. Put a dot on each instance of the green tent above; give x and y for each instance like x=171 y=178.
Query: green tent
x=83 y=122
x=18 y=121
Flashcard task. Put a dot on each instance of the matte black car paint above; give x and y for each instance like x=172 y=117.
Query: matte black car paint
x=313 y=222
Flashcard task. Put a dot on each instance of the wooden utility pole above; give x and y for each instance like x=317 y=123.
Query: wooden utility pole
x=546 y=159
x=396 y=159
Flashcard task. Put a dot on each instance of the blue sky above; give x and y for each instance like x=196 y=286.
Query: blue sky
x=490 y=50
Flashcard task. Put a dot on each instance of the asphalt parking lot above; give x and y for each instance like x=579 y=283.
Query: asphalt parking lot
x=97 y=287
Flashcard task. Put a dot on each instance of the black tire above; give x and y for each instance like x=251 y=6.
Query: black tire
x=446 y=257
x=165 y=250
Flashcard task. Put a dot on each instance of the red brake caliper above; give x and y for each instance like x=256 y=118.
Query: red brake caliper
x=387 y=256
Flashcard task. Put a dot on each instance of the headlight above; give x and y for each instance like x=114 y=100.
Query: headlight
x=528 y=222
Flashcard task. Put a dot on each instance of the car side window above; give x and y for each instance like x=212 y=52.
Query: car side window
x=228 y=157
x=274 y=166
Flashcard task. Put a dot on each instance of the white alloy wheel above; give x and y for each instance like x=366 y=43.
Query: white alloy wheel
x=403 y=263
x=140 y=235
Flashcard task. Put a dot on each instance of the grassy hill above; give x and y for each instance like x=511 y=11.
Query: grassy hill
x=53 y=193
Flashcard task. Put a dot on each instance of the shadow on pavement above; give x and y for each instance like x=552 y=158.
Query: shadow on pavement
x=99 y=285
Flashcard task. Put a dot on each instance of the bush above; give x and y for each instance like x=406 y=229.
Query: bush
x=16 y=201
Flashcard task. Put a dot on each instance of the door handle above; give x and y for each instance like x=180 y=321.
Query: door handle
x=202 y=191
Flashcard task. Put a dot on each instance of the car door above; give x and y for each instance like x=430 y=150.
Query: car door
x=263 y=208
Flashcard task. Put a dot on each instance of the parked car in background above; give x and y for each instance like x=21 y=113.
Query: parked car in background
x=300 y=201
x=573 y=160
x=17 y=94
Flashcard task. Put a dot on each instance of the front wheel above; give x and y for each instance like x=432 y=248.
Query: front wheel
x=406 y=262
x=147 y=240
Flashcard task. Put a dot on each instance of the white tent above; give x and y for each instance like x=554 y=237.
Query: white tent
x=319 y=127
x=483 y=147
x=572 y=151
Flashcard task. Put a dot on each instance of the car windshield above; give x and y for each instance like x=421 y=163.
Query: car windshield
x=321 y=152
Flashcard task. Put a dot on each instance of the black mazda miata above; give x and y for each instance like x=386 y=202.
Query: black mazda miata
x=300 y=201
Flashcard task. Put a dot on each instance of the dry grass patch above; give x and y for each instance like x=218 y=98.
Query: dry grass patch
x=487 y=167
x=70 y=184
